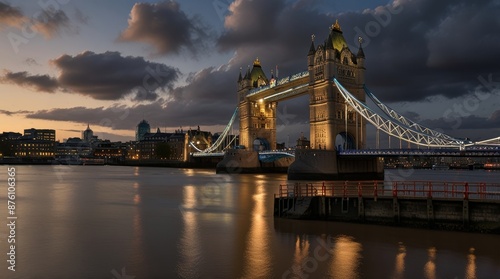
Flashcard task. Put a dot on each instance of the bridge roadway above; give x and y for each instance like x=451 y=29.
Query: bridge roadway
x=449 y=152
x=470 y=152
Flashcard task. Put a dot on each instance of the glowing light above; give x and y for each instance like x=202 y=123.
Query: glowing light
x=258 y=244
x=470 y=270
x=399 y=268
x=430 y=266
x=346 y=258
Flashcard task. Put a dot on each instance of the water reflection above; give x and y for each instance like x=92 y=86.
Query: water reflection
x=470 y=271
x=346 y=258
x=189 y=247
x=137 y=252
x=399 y=268
x=257 y=254
x=430 y=266
x=301 y=250
x=137 y=196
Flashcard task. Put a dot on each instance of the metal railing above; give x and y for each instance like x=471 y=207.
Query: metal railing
x=397 y=189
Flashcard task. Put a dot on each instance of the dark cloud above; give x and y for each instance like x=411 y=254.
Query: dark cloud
x=461 y=124
x=10 y=113
x=81 y=17
x=48 y=22
x=51 y=22
x=186 y=106
x=42 y=83
x=424 y=48
x=10 y=16
x=111 y=76
x=101 y=76
x=249 y=23
x=166 y=27
x=31 y=62
x=275 y=31
x=414 y=49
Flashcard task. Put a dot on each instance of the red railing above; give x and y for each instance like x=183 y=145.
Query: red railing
x=399 y=189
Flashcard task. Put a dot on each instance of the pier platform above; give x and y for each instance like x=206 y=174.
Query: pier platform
x=458 y=206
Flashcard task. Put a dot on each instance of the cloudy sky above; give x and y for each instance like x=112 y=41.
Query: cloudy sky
x=67 y=63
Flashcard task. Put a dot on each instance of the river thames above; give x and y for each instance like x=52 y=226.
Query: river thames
x=136 y=222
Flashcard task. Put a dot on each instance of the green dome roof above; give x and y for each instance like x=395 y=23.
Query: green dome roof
x=257 y=75
x=338 y=40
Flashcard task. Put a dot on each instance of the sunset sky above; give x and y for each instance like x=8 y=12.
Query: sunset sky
x=176 y=63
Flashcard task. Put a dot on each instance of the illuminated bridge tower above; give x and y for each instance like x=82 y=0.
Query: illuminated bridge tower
x=257 y=118
x=334 y=125
x=330 y=117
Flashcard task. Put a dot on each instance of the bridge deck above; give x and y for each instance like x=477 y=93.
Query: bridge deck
x=484 y=152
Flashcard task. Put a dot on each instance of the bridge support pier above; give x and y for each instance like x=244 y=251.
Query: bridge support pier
x=320 y=164
x=239 y=161
x=313 y=164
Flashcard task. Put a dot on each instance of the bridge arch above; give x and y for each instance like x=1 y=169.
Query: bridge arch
x=344 y=141
x=261 y=144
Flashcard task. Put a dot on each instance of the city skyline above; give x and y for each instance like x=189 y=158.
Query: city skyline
x=176 y=63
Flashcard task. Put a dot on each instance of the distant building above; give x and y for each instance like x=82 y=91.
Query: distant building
x=7 y=136
x=143 y=128
x=161 y=146
x=33 y=148
x=88 y=134
x=110 y=151
x=35 y=144
x=7 y=140
x=40 y=134
x=73 y=149
x=303 y=143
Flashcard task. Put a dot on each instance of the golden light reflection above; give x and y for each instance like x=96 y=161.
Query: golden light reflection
x=189 y=246
x=399 y=268
x=430 y=266
x=470 y=270
x=138 y=236
x=301 y=250
x=137 y=199
x=346 y=258
x=188 y=172
x=189 y=196
x=136 y=171
x=258 y=264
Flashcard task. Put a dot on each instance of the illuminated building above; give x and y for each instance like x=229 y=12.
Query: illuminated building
x=143 y=128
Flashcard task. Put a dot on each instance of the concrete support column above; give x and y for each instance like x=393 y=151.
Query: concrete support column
x=361 y=209
x=395 y=208
x=430 y=212
x=466 y=215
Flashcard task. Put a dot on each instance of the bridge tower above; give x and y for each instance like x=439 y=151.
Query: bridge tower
x=257 y=118
x=330 y=116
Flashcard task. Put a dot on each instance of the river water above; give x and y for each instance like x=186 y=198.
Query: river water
x=135 y=222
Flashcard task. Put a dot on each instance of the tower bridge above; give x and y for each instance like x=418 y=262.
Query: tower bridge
x=335 y=84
